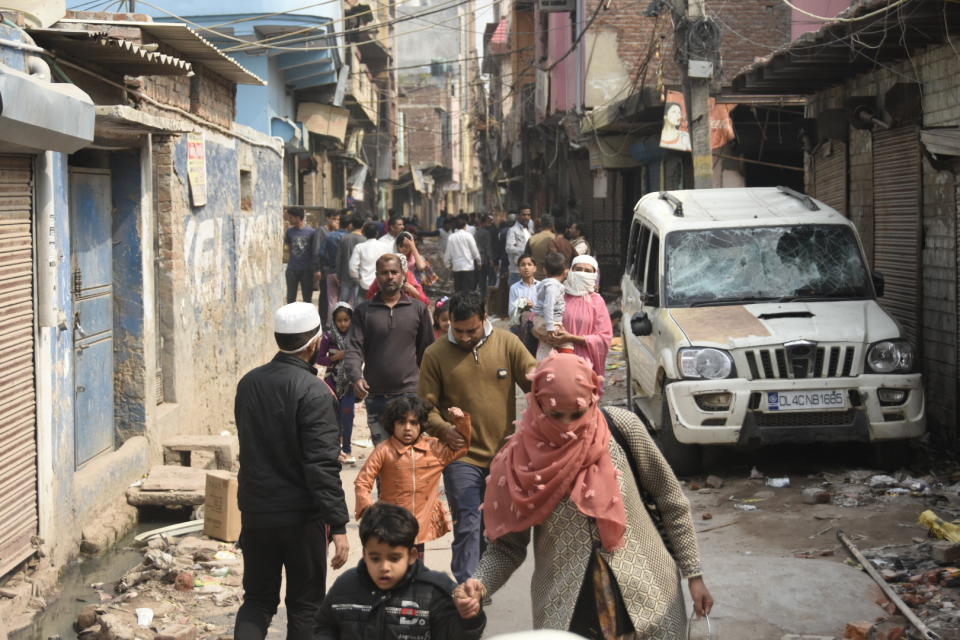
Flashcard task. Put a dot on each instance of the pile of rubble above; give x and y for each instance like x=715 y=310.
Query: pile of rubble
x=926 y=576
x=174 y=594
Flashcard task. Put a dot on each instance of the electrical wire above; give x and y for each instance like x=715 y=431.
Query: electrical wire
x=576 y=41
x=883 y=9
x=288 y=39
x=264 y=44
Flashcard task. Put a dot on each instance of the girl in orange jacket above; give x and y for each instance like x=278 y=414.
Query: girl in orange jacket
x=410 y=464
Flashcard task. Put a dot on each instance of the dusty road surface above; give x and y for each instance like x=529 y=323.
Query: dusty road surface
x=772 y=560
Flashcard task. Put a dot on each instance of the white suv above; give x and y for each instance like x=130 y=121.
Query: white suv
x=750 y=317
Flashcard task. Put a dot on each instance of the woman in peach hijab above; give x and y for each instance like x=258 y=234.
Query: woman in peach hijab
x=601 y=567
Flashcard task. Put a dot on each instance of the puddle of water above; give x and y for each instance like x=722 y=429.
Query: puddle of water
x=75 y=591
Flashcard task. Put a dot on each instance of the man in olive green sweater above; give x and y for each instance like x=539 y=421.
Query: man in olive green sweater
x=475 y=368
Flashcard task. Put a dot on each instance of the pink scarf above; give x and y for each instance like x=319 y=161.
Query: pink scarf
x=548 y=460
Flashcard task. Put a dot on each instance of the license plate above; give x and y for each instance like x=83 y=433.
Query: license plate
x=806 y=400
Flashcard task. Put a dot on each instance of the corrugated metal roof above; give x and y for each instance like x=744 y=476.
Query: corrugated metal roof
x=116 y=54
x=191 y=44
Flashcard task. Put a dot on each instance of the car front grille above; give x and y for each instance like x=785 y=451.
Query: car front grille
x=797 y=363
x=806 y=418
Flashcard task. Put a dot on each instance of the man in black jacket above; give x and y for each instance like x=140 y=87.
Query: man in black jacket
x=289 y=483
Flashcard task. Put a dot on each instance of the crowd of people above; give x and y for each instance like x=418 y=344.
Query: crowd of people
x=438 y=382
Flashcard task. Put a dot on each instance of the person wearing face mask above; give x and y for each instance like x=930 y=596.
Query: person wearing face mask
x=586 y=321
x=289 y=489
x=601 y=569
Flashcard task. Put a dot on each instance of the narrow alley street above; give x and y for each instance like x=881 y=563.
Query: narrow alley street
x=771 y=555
x=255 y=254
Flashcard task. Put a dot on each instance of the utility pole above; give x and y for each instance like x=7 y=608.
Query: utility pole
x=697 y=43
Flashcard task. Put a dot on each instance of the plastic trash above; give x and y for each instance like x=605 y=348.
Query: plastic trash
x=778 y=483
x=220 y=572
x=940 y=527
x=755 y=474
x=744 y=507
x=224 y=555
x=144 y=616
x=882 y=481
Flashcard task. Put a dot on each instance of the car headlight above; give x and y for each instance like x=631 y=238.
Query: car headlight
x=705 y=363
x=890 y=356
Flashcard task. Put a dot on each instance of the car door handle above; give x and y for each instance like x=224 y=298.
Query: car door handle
x=79 y=329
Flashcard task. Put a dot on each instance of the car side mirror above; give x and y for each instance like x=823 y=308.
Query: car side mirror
x=879 y=282
x=640 y=324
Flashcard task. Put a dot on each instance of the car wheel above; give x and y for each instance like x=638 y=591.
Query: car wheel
x=685 y=459
x=890 y=455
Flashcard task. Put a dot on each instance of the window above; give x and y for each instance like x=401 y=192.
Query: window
x=640 y=261
x=246 y=190
x=653 y=271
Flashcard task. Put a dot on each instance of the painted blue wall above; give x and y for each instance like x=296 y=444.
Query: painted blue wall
x=129 y=386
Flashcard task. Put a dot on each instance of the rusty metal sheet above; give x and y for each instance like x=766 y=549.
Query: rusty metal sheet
x=898 y=230
x=718 y=324
x=18 y=442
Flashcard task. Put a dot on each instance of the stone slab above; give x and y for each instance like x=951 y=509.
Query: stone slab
x=178 y=450
x=175 y=478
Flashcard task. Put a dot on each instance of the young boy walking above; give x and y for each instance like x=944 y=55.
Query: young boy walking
x=390 y=595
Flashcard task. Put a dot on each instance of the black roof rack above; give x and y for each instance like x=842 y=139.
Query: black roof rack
x=672 y=199
x=806 y=200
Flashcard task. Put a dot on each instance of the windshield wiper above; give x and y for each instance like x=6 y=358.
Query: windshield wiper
x=738 y=300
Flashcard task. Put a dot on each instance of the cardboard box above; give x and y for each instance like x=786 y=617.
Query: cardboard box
x=221 y=515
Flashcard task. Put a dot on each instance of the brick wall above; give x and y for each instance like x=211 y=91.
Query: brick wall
x=212 y=97
x=750 y=28
x=423 y=123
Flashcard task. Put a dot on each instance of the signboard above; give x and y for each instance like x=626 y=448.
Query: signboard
x=324 y=119
x=197 y=168
x=675 y=133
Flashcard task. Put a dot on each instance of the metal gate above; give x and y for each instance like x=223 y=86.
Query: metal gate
x=830 y=174
x=91 y=239
x=898 y=231
x=18 y=426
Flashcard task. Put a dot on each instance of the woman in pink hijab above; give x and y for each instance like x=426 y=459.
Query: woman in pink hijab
x=586 y=321
x=601 y=568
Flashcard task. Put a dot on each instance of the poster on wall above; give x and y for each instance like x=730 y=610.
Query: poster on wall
x=675 y=133
x=197 y=168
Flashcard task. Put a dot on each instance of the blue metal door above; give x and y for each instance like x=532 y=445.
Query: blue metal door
x=91 y=233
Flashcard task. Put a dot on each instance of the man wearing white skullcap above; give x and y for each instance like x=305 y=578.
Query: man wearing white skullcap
x=289 y=489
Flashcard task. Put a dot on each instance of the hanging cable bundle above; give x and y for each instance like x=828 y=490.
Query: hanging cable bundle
x=697 y=39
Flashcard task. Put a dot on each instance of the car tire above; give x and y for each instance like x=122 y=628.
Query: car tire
x=890 y=455
x=685 y=459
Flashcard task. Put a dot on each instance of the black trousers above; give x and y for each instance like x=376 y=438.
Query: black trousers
x=302 y=552
x=303 y=279
x=463 y=280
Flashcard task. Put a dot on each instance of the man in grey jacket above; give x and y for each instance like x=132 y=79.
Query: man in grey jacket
x=388 y=336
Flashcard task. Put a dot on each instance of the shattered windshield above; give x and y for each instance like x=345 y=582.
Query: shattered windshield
x=764 y=263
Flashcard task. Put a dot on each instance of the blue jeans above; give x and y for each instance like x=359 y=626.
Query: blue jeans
x=465 y=485
x=375 y=406
x=512 y=279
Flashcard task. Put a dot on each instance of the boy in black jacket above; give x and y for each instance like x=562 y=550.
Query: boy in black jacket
x=391 y=595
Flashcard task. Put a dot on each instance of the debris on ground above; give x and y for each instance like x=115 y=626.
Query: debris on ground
x=778 y=483
x=175 y=593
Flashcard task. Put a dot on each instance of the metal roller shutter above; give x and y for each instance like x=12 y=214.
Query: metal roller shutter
x=18 y=442
x=830 y=175
x=898 y=231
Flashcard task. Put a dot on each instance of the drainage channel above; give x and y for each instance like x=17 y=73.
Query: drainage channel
x=75 y=592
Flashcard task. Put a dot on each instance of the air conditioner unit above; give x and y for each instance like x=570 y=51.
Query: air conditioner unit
x=553 y=6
